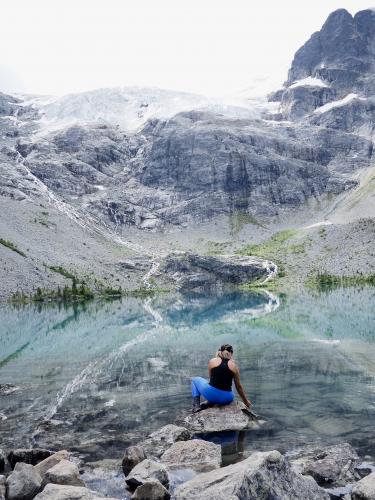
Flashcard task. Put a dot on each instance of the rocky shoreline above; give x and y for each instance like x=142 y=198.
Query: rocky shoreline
x=175 y=462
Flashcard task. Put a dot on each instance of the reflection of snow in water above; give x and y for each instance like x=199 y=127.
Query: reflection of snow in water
x=155 y=314
x=259 y=310
x=92 y=371
x=326 y=341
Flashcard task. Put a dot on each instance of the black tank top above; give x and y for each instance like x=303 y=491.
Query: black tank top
x=222 y=376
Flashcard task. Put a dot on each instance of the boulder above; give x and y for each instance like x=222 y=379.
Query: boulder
x=264 y=475
x=151 y=490
x=330 y=466
x=63 y=492
x=28 y=455
x=146 y=471
x=365 y=488
x=23 y=483
x=46 y=464
x=159 y=441
x=2 y=487
x=196 y=454
x=230 y=417
x=2 y=460
x=133 y=455
x=64 y=472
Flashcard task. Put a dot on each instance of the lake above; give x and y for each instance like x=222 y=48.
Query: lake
x=97 y=377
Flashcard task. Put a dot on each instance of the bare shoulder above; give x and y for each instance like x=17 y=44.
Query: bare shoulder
x=232 y=366
x=214 y=362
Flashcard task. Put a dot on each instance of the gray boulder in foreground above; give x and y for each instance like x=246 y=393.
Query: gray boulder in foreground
x=146 y=471
x=28 y=455
x=59 y=492
x=46 y=464
x=23 y=483
x=365 y=488
x=2 y=487
x=195 y=454
x=133 y=456
x=159 y=441
x=221 y=418
x=64 y=472
x=330 y=466
x=264 y=475
x=151 y=490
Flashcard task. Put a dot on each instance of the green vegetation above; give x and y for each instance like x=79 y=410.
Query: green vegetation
x=271 y=248
x=11 y=246
x=63 y=272
x=325 y=281
x=238 y=220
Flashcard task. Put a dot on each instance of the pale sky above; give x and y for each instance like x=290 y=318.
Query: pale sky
x=212 y=47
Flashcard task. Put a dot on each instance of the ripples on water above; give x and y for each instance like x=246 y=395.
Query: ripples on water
x=97 y=377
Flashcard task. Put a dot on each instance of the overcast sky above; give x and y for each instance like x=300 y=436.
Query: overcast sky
x=213 y=47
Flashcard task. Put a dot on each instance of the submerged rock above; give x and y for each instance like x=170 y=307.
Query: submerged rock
x=49 y=462
x=329 y=466
x=263 y=475
x=159 y=441
x=151 y=490
x=146 y=471
x=196 y=454
x=64 y=472
x=133 y=455
x=230 y=417
x=28 y=455
x=365 y=488
x=23 y=483
x=6 y=389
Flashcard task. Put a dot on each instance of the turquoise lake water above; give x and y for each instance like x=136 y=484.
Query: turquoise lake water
x=94 y=378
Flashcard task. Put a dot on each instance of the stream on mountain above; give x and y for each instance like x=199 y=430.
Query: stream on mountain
x=96 y=377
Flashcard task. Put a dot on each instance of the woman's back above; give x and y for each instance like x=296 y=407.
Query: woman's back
x=221 y=376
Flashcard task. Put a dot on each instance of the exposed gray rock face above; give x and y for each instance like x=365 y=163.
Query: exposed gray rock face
x=300 y=101
x=196 y=272
x=145 y=471
x=262 y=476
x=64 y=472
x=151 y=490
x=2 y=487
x=221 y=418
x=196 y=454
x=364 y=489
x=49 y=462
x=159 y=441
x=28 y=455
x=330 y=466
x=23 y=483
x=133 y=455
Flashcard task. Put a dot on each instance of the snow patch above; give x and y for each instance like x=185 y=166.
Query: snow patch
x=310 y=81
x=336 y=104
x=319 y=224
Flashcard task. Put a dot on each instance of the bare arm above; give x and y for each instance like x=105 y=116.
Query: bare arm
x=237 y=383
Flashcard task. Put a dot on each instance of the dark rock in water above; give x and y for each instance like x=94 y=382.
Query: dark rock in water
x=28 y=455
x=230 y=417
x=6 y=389
x=23 y=483
x=159 y=441
x=145 y=471
x=197 y=272
x=263 y=475
x=133 y=455
x=364 y=489
x=151 y=490
x=64 y=472
x=330 y=466
x=196 y=454
x=2 y=460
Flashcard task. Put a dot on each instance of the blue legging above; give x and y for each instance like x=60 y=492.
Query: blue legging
x=201 y=387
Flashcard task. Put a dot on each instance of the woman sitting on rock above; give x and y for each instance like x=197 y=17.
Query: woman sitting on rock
x=221 y=370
